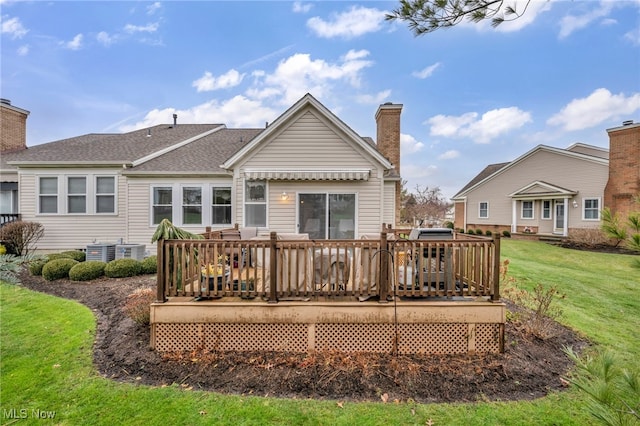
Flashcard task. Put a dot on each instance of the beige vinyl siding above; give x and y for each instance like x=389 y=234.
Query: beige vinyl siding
x=64 y=231
x=312 y=143
x=582 y=149
x=389 y=215
x=586 y=177
x=140 y=227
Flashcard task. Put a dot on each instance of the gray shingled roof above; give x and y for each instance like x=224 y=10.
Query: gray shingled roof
x=486 y=172
x=201 y=156
x=111 y=148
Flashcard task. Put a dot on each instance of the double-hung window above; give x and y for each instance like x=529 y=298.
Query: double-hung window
x=483 y=210
x=48 y=194
x=162 y=204
x=527 y=209
x=220 y=205
x=255 y=203
x=192 y=205
x=76 y=194
x=105 y=194
x=591 y=209
x=546 y=209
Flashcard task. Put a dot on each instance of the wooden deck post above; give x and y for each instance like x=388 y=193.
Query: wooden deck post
x=495 y=294
x=160 y=278
x=383 y=267
x=273 y=269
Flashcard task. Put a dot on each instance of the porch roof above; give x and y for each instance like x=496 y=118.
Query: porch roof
x=540 y=189
x=342 y=174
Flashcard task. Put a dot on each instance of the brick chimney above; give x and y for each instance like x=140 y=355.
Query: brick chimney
x=624 y=169
x=13 y=122
x=388 y=141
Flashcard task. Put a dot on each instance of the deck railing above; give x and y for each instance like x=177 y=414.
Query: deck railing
x=9 y=217
x=274 y=268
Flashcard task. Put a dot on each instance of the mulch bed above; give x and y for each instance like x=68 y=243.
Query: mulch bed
x=530 y=367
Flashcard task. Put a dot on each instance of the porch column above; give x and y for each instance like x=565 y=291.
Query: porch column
x=565 y=221
x=514 y=215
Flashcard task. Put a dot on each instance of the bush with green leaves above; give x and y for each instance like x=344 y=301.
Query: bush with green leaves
x=3 y=249
x=121 y=268
x=138 y=305
x=488 y=233
x=35 y=267
x=78 y=255
x=58 y=268
x=506 y=234
x=150 y=265
x=479 y=231
x=87 y=271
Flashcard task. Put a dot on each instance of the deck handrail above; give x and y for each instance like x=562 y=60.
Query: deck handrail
x=275 y=268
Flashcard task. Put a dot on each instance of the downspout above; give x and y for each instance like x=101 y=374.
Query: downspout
x=565 y=219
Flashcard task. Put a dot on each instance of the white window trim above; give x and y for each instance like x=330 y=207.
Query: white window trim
x=56 y=195
x=480 y=210
x=182 y=205
x=542 y=217
x=152 y=188
x=212 y=205
x=584 y=209
x=68 y=195
x=245 y=202
x=533 y=210
x=177 y=205
x=114 y=194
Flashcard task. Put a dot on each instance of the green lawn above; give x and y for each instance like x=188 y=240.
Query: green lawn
x=46 y=365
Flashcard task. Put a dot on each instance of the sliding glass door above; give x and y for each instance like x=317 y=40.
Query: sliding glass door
x=327 y=216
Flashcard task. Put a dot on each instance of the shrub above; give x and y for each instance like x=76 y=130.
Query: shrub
x=3 y=249
x=470 y=231
x=19 y=236
x=506 y=233
x=86 y=271
x=150 y=265
x=78 y=255
x=448 y=224
x=479 y=231
x=121 y=268
x=488 y=233
x=35 y=267
x=138 y=305
x=58 y=268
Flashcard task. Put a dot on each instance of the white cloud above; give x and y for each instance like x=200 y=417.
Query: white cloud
x=238 y=111
x=598 y=107
x=23 y=50
x=13 y=27
x=449 y=155
x=153 y=8
x=208 y=82
x=489 y=126
x=75 y=44
x=426 y=72
x=409 y=144
x=104 y=38
x=353 y=23
x=149 y=28
x=299 y=7
x=633 y=36
x=374 y=99
x=299 y=74
x=569 y=24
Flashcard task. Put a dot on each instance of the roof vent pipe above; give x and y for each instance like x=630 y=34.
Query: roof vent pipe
x=175 y=120
x=148 y=132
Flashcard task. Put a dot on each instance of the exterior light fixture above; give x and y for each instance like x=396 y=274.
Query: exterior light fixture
x=284 y=196
x=575 y=204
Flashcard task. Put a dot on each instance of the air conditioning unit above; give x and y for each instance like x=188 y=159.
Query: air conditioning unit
x=130 y=251
x=101 y=251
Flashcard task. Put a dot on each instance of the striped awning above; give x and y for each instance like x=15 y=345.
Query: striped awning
x=360 y=174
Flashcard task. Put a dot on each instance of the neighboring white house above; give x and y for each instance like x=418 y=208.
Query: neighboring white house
x=307 y=172
x=547 y=191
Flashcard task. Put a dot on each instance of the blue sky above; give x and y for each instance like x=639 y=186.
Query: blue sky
x=473 y=95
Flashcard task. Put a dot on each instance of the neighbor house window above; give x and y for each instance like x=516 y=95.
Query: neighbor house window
x=220 y=206
x=483 y=211
x=546 y=209
x=105 y=194
x=255 y=203
x=591 y=209
x=48 y=194
x=162 y=204
x=191 y=205
x=77 y=194
x=527 y=209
